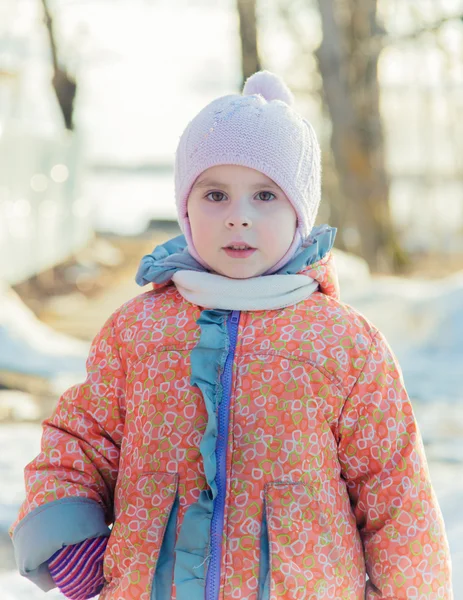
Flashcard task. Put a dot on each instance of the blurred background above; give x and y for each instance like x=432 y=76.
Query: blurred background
x=94 y=95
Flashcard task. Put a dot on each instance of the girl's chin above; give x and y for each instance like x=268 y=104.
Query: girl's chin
x=241 y=273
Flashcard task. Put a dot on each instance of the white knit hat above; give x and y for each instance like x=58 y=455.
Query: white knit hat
x=258 y=129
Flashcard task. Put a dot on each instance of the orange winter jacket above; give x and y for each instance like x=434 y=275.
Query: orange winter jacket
x=239 y=455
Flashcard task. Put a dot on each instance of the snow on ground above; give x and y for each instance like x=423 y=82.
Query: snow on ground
x=15 y=587
x=19 y=443
x=30 y=348
x=423 y=321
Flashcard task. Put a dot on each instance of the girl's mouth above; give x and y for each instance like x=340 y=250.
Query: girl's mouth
x=239 y=253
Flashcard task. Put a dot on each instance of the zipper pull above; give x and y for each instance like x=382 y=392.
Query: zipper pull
x=235 y=318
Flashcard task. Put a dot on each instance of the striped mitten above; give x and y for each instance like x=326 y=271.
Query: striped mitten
x=78 y=570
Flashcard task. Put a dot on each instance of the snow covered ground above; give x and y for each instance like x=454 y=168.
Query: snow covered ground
x=423 y=321
x=32 y=355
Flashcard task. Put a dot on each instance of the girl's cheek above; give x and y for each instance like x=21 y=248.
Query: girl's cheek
x=206 y=207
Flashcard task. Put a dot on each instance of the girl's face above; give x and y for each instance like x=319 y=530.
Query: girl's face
x=231 y=204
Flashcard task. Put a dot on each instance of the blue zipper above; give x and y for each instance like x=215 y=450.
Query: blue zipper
x=213 y=572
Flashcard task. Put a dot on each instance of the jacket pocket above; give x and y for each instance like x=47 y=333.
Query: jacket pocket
x=300 y=543
x=143 y=505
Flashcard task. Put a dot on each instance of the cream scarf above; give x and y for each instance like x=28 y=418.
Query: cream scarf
x=255 y=293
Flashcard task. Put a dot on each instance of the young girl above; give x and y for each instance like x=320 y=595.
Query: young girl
x=246 y=434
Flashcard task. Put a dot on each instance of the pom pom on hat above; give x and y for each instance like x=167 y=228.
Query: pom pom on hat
x=268 y=85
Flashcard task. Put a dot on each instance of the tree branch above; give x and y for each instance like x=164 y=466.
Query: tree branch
x=64 y=85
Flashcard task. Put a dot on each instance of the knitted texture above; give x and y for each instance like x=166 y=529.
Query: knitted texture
x=211 y=290
x=77 y=570
x=261 y=130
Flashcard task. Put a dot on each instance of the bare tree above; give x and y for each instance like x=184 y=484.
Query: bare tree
x=248 y=34
x=64 y=85
x=348 y=59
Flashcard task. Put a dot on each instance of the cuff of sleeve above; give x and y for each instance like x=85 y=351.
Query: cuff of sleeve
x=49 y=528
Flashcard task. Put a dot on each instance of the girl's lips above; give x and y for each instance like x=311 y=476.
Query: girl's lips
x=240 y=253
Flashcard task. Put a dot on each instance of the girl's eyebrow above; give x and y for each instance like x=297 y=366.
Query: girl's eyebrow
x=204 y=183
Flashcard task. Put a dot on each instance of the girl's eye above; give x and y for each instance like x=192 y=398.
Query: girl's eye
x=265 y=196
x=215 y=196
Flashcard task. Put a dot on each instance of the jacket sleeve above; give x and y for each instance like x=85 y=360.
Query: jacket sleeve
x=70 y=484
x=383 y=462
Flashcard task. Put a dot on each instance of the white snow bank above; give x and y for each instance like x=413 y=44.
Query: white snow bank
x=32 y=349
x=15 y=587
x=19 y=443
x=352 y=270
x=19 y=406
x=423 y=322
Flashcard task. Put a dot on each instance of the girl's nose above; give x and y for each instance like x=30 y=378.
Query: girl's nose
x=234 y=222
x=238 y=216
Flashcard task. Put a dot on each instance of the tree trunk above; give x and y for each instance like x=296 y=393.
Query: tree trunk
x=248 y=33
x=348 y=58
x=64 y=85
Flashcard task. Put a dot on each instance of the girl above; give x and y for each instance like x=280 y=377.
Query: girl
x=243 y=432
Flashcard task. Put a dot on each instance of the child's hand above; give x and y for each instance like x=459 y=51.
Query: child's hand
x=78 y=570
